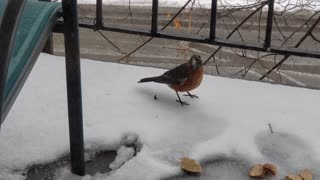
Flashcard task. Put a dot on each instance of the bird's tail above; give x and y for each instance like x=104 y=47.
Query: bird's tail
x=157 y=79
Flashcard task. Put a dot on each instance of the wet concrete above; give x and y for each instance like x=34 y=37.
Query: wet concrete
x=98 y=164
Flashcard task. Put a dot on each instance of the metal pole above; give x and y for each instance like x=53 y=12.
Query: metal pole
x=154 y=21
x=72 y=50
x=269 y=24
x=213 y=20
x=8 y=27
x=98 y=23
x=48 y=47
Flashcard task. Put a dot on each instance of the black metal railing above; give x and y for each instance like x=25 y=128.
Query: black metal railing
x=212 y=39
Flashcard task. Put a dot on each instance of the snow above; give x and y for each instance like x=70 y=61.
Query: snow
x=129 y=147
x=124 y=154
x=226 y=130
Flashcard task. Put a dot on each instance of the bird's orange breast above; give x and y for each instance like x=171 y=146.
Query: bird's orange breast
x=192 y=82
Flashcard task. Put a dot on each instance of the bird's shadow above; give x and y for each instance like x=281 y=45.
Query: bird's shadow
x=165 y=99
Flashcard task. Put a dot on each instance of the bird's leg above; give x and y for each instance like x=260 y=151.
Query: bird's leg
x=179 y=100
x=191 y=95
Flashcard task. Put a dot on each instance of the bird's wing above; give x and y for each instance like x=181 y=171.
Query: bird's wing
x=179 y=74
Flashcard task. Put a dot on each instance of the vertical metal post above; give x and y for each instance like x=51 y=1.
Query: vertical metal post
x=99 y=21
x=269 y=24
x=8 y=27
x=213 y=20
x=48 y=47
x=154 y=21
x=72 y=50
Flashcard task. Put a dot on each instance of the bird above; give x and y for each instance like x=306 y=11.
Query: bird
x=183 y=78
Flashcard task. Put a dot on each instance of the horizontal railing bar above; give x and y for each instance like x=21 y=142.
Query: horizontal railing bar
x=218 y=42
x=295 y=52
x=117 y=28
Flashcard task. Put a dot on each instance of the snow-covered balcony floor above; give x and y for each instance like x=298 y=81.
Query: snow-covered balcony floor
x=229 y=123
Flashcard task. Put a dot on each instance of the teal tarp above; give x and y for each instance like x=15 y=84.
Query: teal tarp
x=35 y=18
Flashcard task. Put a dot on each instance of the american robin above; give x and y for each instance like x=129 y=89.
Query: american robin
x=182 y=78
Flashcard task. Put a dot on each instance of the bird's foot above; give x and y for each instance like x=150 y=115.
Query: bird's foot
x=191 y=95
x=182 y=102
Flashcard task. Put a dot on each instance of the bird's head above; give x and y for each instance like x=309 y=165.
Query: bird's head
x=196 y=61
